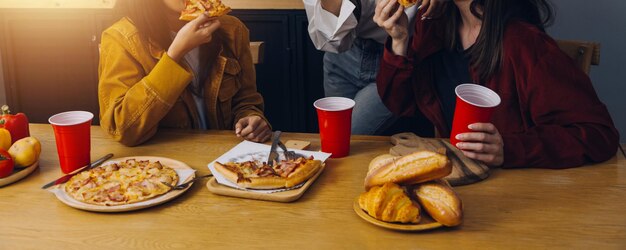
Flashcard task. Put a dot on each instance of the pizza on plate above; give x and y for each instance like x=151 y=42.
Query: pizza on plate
x=122 y=183
x=195 y=8
x=283 y=174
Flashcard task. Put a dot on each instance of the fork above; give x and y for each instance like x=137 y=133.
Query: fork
x=185 y=184
x=289 y=155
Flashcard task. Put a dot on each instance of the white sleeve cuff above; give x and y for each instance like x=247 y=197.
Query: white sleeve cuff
x=331 y=24
x=326 y=28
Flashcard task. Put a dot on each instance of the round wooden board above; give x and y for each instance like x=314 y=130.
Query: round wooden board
x=176 y=165
x=19 y=175
x=426 y=223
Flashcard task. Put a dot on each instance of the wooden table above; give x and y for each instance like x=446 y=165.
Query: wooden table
x=522 y=209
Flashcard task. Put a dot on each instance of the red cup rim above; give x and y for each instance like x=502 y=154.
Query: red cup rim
x=488 y=91
x=70 y=118
x=349 y=103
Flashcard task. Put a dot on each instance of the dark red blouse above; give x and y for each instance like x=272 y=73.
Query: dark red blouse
x=550 y=115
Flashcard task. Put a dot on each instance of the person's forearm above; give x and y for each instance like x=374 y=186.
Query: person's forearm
x=332 y=6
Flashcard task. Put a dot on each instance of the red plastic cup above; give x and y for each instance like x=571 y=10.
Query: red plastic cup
x=334 y=115
x=474 y=104
x=73 y=138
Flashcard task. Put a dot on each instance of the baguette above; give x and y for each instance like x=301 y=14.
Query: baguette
x=380 y=161
x=440 y=202
x=418 y=167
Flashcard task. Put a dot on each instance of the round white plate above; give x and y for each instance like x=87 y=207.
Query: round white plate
x=19 y=175
x=178 y=166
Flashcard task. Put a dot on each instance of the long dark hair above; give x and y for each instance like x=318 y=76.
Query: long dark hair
x=149 y=17
x=486 y=55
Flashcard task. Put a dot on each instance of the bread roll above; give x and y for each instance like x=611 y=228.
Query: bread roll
x=389 y=203
x=440 y=202
x=418 y=167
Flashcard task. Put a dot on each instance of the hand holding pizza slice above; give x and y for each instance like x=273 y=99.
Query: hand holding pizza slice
x=195 y=8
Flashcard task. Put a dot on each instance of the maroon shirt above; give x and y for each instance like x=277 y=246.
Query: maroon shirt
x=550 y=115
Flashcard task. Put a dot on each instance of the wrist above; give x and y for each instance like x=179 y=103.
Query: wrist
x=399 y=46
x=175 y=53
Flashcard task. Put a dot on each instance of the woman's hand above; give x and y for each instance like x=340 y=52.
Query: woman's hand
x=192 y=35
x=484 y=144
x=253 y=128
x=390 y=16
x=432 y=7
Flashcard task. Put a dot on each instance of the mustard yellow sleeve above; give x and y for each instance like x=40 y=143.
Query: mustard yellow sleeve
x=133 y=101
x=248 y=101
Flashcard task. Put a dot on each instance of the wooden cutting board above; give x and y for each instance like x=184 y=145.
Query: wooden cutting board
x=464 y=170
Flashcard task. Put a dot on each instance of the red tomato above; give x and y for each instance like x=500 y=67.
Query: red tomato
x=6 y=163
x=16 y=124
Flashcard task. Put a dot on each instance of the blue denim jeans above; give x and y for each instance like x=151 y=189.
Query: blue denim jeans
x=352 y=74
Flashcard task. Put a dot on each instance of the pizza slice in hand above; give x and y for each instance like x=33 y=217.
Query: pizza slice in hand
x=195 y=8
x=407 y=3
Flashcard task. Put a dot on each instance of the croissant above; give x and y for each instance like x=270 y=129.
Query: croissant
x=389 y=203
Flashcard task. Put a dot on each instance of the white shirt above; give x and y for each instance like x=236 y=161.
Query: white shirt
x=337 y=33
x=197 y=61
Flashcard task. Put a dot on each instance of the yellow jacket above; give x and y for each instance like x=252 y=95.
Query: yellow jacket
x=141 y=88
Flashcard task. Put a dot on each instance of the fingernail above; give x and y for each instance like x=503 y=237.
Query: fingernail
x=459 y=137
x=459 y=145
x=419 y=7
x=424 y=18
x=471 y=126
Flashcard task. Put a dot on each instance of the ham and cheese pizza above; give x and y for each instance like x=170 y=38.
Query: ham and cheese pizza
x=195 y=8
x=284 y=174
x=121 y=183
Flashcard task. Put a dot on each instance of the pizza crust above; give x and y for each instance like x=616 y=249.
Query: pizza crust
x=303 y=173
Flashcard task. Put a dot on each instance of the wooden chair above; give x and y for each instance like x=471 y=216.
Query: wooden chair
x=584 y=53
x=258 y=51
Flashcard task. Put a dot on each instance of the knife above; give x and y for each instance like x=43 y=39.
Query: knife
x=273 y=156
x=67 y=177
